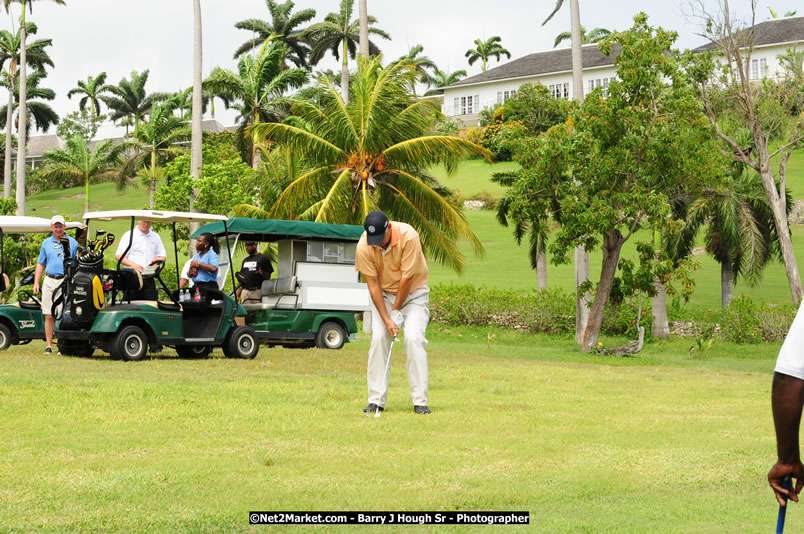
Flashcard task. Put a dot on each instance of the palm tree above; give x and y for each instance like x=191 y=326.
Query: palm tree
x=283 y=26
x=582 y=299
x=739 y=230
x=42 y=114
x=22 y=133
x=444 y=78
x=775 y=15
x=258 y=87
x=76 y=162
x=420 y=64
x=129 y=99
x=155 y=142
x=91 y=91
x=484 y=50
x=340 y=35
x=195 y=125
x=373 y=154
x=37 y=57
x=593 y=36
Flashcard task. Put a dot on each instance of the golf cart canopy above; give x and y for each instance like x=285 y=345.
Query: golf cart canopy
x=154 y=216
x=12 y=224
x=276 y=230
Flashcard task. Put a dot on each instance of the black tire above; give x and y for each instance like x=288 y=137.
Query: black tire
x=193 y=351
x=82 y=349
x=331 y=335
x=6 y=338
x=241 y=343
x=130 y=344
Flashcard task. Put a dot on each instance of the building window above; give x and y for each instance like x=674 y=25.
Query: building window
x=566 y=90
x=457 y=107
x=754 y=69
x=591 y=86
x=477 y=103
x=463 y=105
x=499 y=97
x=763 y=67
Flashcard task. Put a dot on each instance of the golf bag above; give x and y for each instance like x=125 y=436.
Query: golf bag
x=83 y=294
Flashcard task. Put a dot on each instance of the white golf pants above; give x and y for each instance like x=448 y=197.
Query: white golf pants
x=416 y=314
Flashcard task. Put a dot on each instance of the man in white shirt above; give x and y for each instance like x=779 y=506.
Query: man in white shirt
x=146 y=246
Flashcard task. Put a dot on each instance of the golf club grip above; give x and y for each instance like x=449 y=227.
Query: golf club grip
x=787 y=483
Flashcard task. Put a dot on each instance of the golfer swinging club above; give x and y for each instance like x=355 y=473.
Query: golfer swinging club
x=389 y=255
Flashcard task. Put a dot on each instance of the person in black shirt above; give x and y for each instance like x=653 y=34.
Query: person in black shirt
x=256 y=268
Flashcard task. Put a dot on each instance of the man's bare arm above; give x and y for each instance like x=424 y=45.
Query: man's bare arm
x=378 y=299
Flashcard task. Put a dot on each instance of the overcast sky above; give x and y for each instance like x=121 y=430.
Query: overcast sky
x=116 y=36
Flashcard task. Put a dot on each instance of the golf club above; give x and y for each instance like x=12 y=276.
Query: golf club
x=387 y=368
x=787 y=483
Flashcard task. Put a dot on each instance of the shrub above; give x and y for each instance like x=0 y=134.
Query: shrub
x=740 y=322
x=621 y=319
x=473 y=135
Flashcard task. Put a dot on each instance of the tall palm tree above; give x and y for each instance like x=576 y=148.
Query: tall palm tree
x=364 y=46
x=444 y=78
x=284 y=26
x=155 y=141
x=195 y=123
x=340 y=35
x=484 y=50
x=257 y=87
x=76 y=162
x=420 y=64
x=582 y=299
x=91 y=90
x=22 y=129
x=373 y=154
x=594 y=36
x=129 y=99
x=36 y=108
x=38 y=58
x=740 y=233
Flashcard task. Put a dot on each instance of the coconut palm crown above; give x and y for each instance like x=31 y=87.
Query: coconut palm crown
x=373 y=153
x=284 y=26
x=42 y=114
x=484 y=50
x=90 y=91
x=594 y=36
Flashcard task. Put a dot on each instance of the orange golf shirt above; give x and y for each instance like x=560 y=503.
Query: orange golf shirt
x=404 y=259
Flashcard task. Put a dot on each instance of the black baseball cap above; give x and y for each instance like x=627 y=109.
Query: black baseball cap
x=375 y=225
x=251 y=242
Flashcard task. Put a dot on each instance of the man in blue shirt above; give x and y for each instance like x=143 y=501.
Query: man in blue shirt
x=51 y=263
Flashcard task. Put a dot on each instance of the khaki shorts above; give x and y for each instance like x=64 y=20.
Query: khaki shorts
x=49 y=286
x=250 y=296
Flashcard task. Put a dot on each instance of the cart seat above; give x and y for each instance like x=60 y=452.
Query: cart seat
x=277 y=293
x=29 y=305
x=159 y=304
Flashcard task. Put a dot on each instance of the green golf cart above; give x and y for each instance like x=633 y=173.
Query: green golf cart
x=193 y=323
x=22 y=321
x=316 y=293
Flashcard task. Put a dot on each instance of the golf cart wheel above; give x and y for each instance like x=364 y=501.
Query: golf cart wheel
x=82 y=349
x=241 y=343
x=130 y=344
x=193 y=351
x=5 y=337
x=330 y=335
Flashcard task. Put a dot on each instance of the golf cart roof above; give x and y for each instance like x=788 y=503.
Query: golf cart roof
x=13 y=224
x=154 y=216
x=275 y=230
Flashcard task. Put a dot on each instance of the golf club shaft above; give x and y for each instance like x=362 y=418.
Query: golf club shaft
x=786 y=484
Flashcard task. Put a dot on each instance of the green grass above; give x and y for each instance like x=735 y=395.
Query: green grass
x=585 y=443
x=473 y=177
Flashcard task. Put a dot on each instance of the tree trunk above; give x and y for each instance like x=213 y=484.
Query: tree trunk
x=196 y=160
x=21 y=135
x=86 y=194
x=541 y=271
x=345 y=74
x=581 y=256
x=777 y=203
x=612 y=245
x=364 y=47
x=661 y=327
x=726 y=283
x=9 y=120
x=152 y=184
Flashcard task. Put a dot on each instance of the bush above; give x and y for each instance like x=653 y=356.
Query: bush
x=621 y=319
x=740 y=321
x=473 y=135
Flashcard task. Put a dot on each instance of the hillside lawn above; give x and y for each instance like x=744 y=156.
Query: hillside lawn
x=661 y=442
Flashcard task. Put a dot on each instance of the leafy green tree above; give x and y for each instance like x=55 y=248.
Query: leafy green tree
x=421 y=64
x=81 y=123
x=22 y=130
x=257 y=88
x=594 y=36
x=608 y=170
x=284 y=26
x=130 y=100
x=340 y=35
x=373 y=153
x=76 y=162
x=444 y=78
x=38 y=58
x=155 y=142
x=483 y=50
x=40 y=111
x=90 y=91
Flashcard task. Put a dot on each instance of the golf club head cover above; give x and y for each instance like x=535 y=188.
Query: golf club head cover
x=396 y=318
